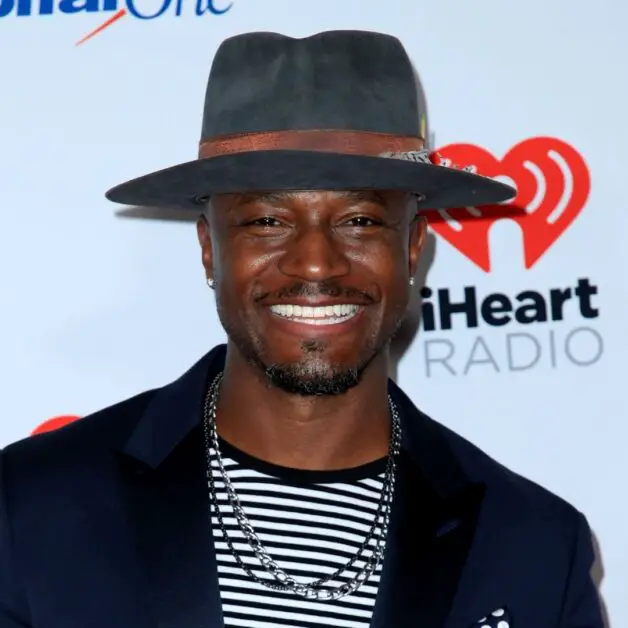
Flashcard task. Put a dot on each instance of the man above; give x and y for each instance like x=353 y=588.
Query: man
x=284 y=480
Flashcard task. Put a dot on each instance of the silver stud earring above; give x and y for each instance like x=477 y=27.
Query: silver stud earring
x=411 y=281
x=210 y=282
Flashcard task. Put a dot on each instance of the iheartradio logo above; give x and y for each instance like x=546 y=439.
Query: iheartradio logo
x=538 y=327
x=552 y=182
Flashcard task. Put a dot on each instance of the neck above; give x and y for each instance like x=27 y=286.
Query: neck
x=314 y=433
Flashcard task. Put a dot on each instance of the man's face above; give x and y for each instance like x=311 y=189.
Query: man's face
x=311 y=286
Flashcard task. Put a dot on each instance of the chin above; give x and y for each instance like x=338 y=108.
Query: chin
x=319 y=368
x=314 y=377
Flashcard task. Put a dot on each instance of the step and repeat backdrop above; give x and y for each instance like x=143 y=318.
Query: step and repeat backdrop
x=522 y=345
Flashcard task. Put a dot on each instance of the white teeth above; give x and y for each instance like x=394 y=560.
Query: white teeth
x=319 y=315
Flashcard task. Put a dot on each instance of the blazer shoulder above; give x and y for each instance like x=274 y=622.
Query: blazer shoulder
x=514 y=490
x=77 y=442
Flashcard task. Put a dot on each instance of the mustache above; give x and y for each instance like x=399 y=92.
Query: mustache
x=327 y=289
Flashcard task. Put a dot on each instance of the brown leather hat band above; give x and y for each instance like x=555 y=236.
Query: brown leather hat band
x=333 y=141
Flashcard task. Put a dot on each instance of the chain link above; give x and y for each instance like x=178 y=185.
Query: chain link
x=280 y=580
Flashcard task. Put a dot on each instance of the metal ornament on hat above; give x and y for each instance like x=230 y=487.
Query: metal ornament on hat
x=423 y=156
x=278 y=579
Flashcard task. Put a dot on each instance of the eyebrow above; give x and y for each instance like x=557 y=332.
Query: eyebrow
x=357 y=196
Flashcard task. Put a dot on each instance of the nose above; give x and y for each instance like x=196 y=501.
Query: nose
x=314 y=256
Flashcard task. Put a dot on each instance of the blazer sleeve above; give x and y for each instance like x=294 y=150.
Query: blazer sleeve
x=13 y=604
x=582 y=607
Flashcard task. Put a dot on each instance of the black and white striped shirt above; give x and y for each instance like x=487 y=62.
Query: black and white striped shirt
x=311 y=523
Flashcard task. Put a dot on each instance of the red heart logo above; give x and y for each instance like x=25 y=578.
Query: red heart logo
x=553 y=185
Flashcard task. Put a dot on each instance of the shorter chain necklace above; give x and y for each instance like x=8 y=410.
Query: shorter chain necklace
x=280 y=580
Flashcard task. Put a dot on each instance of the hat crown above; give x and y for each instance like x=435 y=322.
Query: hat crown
x=342 y=80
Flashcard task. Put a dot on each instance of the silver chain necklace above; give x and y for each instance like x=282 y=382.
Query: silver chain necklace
x=279 y=579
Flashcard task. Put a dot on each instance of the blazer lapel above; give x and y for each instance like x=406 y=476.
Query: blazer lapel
x=169 y=514
x=166 y=498
x=433 y=524
x=428 y=543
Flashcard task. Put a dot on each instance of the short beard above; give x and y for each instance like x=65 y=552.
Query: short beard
x=310 y=377
x=302 y=379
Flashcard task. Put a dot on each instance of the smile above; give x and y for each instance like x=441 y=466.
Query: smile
x=316 y=315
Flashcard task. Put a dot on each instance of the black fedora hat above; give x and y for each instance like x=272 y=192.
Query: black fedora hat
x=339 y=110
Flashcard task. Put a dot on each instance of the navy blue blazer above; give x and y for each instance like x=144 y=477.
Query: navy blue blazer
x=105 y=524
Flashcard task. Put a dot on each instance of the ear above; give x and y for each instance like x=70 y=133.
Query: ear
x=204 y=239
x=418 y=234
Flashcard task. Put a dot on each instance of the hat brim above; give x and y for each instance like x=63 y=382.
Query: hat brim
x=182 y=186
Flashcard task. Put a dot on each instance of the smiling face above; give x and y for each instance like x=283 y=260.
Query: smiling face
x=311 y=286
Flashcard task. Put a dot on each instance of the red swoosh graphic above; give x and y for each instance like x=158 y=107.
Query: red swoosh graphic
x=109 y=22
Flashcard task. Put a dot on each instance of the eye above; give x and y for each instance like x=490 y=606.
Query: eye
x=265 y=221
x=363 y=221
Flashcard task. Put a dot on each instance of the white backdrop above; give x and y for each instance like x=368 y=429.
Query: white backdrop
x=94 y=307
